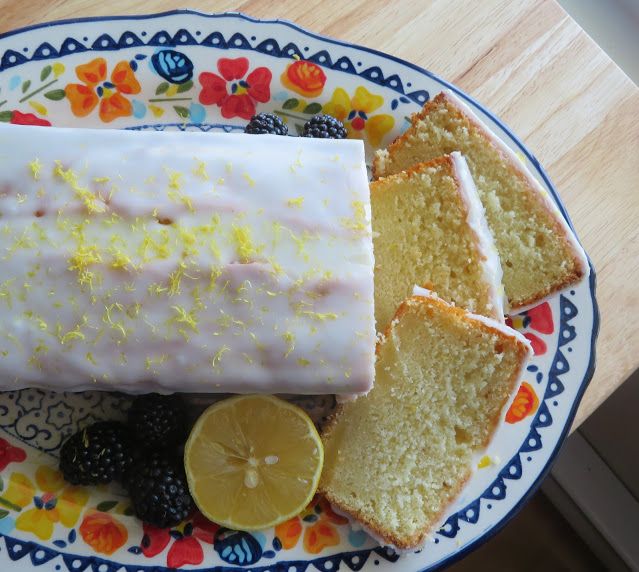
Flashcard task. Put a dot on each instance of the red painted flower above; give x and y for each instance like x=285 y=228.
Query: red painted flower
x=235 y=94
x=186 y=547
x=539 y=319
x=19 y=118
x=10 y=454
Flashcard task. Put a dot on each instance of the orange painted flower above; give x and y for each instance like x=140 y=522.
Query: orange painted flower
x=55 y=503
x=95 y=89
x=305 y=78
x=524 y=404
x=289 y=532
x=103 y=532
x=356 y=114
x=319 y=535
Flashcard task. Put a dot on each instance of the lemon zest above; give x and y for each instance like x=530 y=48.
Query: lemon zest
x=36 y=167
x=107 y=318
x=88 y=198
x=175 y=279
x=358 y=221
x=244 y=243
x=200 y=170
x=5 y=293
x=216 y=272
x=74 y=334
x=217 y=358
x=249 y=179
x=289 y=338
x=185 y=317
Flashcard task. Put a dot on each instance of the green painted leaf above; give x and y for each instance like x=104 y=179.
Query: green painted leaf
x=313 y=108
x=128 y=511
x=5 y=116
x=160 y=89
x=45 y=73
x=25 y=85
x=183 y=112
x=55 y=94
x=1 y=484
x=291 y=103
x=3 y=513
x=185 y=86
x=106 y=506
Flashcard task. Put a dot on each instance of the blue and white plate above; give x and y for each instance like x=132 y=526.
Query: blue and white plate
x=184 y=70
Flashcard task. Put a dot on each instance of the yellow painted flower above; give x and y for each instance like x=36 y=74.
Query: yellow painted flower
x=20 y=490
x=55 y=503
x=356 y=113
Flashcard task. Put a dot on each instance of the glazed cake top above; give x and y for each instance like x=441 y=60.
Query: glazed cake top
x=176 y=261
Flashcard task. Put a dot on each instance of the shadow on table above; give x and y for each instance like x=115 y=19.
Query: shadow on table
x=538 y=538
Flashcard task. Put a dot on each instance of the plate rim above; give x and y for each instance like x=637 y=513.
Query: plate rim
x=592 y=279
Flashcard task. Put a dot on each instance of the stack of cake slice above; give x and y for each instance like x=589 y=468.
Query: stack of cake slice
x=446 y=367
x=539 y=253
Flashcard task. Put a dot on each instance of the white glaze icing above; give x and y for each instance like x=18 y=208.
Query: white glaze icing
x=549 y=203
x=491 y=265
x=140 y=261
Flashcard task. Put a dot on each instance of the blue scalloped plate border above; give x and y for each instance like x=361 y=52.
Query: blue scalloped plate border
x=29 y=547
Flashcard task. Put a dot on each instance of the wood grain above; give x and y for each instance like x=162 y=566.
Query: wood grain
x=533 y=66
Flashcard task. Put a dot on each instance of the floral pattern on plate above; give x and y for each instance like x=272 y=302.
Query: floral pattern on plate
x=189 y=71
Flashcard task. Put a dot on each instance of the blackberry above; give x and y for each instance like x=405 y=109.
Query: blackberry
x=158 y=420
x=324 y=127
x=265 y=123
x=98 y=454
x=159 y=491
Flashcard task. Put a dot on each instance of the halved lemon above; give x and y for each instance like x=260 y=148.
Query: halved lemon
x=253 y=461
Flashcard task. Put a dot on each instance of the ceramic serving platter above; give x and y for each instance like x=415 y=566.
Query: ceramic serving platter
x=184 y=70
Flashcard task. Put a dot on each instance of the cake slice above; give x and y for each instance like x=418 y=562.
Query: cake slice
x=179 y=261
x=538 y=251
x=396 y=458
x=429 y=229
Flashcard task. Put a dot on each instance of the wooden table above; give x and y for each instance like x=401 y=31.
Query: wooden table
x=529 y=62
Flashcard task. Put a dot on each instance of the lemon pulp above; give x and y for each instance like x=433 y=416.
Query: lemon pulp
x=253 y=461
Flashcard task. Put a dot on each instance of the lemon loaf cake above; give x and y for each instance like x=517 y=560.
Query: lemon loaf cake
x=396 y=458
x=538 y=251
x=176 y=261
x=430 y=229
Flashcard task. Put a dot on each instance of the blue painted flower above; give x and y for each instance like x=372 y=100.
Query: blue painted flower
x=357 y=538
x=173 y=66
x=236 y=547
